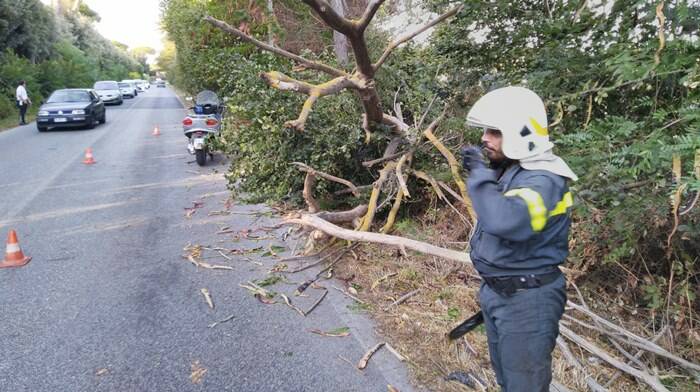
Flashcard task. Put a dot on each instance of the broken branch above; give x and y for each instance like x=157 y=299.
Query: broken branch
x=365 y=358
x=399 y=242
x=305 y=168
x=280 y=52
x=650 y=380
x=407 y=37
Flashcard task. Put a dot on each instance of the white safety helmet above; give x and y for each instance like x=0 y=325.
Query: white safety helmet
x=520 y=116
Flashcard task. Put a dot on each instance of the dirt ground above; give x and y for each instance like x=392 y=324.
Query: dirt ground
x=439 y=294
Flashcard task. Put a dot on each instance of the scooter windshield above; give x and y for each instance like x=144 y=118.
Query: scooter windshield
x=207 y=97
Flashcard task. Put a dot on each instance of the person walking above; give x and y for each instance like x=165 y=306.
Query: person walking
x=23 y=101
x=522 y=204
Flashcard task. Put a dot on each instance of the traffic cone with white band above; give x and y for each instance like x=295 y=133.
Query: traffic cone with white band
x=13 y=255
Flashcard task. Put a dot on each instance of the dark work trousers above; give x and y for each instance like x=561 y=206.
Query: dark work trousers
x=22 y=113
x=522 y=330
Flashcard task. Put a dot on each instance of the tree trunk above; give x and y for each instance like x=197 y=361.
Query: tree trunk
x=271 y=12
x=340 y=41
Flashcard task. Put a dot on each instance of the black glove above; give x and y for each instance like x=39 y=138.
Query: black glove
x=472 y=158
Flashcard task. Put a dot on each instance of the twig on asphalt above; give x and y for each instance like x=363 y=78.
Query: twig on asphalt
x=207 y=265
x=289 y=303
x=227 y=319
x=318 y=301
x=207 y=297
x=365 y=358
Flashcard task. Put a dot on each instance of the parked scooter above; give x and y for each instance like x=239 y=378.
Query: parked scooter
x=202 y=124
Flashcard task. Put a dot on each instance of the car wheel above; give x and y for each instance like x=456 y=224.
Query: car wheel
x=121 y=101
x=42 y=129
x=91 y=123
x=103 y=119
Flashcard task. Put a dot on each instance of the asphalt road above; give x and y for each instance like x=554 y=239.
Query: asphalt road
x=108 y=303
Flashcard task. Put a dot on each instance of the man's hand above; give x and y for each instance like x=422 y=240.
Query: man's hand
x=472 y=158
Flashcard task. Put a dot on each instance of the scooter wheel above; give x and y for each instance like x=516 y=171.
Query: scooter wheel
x=201 y=156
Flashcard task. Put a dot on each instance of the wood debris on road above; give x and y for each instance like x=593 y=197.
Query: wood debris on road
x=365 y=358
x=207 y=265
x=227 y=319
x=207 y=297
x=336 y=333
x=198 y=372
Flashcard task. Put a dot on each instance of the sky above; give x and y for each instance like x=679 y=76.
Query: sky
x=131 y=22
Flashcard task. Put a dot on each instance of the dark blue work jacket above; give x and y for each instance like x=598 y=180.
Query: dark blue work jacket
x=523 y=221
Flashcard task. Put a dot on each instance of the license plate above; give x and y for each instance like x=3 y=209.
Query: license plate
x=198 y=143
x=60 y=119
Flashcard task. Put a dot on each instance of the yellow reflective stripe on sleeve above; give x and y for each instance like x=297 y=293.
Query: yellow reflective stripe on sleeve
x=566 y=202
x=535 y=206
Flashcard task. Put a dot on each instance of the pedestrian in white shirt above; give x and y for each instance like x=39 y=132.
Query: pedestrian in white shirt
x=23 y=101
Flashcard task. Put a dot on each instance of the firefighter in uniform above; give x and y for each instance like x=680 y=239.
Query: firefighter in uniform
x=522 y=204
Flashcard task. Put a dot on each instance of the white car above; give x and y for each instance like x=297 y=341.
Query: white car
x=128 y=89
x=109 y=91
x=141 y=85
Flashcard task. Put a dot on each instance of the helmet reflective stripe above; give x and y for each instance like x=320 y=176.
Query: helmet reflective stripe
x=539 y=129
x=536 y=208
x=521 y=117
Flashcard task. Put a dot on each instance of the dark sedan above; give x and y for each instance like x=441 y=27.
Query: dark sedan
x=70 y=108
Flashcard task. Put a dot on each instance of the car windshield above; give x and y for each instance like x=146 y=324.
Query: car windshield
x=126 y=85
x=106 y=86
x=69 y=96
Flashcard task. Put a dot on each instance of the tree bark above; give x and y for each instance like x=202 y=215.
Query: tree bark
x=340 y=41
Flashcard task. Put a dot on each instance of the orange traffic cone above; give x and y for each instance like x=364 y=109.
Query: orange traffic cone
x=89 y=160
x=13 y=255
x=156 y=131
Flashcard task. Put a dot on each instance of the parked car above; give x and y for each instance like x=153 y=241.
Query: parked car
x=109 y=91
x=140 y=85
x=71 y=107
x=128 y=89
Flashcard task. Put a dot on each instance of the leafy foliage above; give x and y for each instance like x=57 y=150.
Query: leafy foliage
x=51 y=51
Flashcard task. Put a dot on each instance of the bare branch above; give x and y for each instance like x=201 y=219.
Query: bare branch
x=430 y=180
x=637 y=341
x=367 y=17
x=454 y=166
x=280 y=52
x=407 y=37
x=300 y=122
x=649 y=379
x=376 y=190
x=399 y=242
x=396 y=123
x=392 y=214
x=305 y=168
x=332 y=19
x=281 y=81
x=308 y=192
x=343 y=216
x=383 y=159
x=399 y=175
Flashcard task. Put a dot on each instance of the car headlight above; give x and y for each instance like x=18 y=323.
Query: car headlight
x=43 y=113
x=78 y=111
